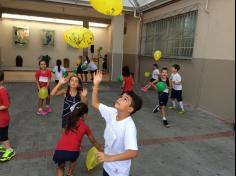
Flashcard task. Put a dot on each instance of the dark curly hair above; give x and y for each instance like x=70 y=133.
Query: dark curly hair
x=125 y=71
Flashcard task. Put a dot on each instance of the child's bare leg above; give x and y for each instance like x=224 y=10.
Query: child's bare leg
x=61 y=170
x=40 y=103
x=148 y=86
x=173 y=103
x=82 y=77
x=48 y=101
x=86 y=77
x=6 y=144
x=71 y=170
x=163 y=112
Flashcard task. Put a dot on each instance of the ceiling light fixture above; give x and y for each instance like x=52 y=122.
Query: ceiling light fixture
x=41 y=19
x=101 y=25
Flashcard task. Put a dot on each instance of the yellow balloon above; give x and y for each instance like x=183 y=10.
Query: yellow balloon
x=79 y=37
x=108 y=7
x=147 y=74
x=157 y=55
x=43 y=93
x=91 y=159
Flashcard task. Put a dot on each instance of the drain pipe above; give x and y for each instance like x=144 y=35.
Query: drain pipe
x=207 y=7
x=140 y=47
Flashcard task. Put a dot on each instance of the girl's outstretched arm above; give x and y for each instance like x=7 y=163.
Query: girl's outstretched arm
x=56 y=91
x=83 y=96
x=95 y=144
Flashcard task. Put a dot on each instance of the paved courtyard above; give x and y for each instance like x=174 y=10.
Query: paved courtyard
x=197 y=144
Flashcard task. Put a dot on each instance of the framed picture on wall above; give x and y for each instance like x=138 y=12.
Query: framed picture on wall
x=21 y=35
x=47 y=38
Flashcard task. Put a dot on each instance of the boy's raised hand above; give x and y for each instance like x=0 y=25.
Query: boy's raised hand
x=97 y=78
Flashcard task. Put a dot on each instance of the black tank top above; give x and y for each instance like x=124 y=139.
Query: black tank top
x=69 y=101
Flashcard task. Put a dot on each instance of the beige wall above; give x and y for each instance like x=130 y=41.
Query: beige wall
x=209 y=78
x=101 y=39
x=33 y=50
x=131 y=44
x=131 y=39
x=117 y=39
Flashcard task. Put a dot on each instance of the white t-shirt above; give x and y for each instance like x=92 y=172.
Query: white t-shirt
x=176 y=78
x=120 y=136
x=85 y=64
x=155 y=74
x=58 y=74
x=92 y=66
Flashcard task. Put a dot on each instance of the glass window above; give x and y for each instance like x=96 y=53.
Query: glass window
x=174 y=36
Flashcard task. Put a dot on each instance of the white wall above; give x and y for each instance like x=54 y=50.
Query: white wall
x=33 y=50
x=215 y=33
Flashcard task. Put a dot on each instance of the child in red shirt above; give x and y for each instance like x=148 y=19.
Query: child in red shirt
x=5 y=148
x=128 y=81
x=68 y=147
x=43 y=78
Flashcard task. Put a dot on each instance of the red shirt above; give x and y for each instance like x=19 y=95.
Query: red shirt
x=71 y=140
x=128 y=83
x=4 y=101
x=43 y=76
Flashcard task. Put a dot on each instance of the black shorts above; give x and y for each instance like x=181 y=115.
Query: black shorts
x=163 y=98
x=79 y=71
x=152 y=80
x=176 y=94
x=104 y=66
x=85 y=72
x=64 y=122
x=56 y=81
x=105 y=173
x=94 y=71
x=3 y=134
x=61 y=157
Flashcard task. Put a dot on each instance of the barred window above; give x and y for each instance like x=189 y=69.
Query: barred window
x=174 y=36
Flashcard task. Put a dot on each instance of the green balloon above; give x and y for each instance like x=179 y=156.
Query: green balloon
x=75 y=71
x=161 y=86
x=65 y=74
x=120 y=78
x=84 y=66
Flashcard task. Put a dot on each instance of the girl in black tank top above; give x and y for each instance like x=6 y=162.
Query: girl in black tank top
x=72 y=95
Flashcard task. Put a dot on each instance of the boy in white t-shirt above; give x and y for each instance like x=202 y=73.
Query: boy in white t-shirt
x=120 y=133
x=155 y=76
x=176 y=84
x=92 y=67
